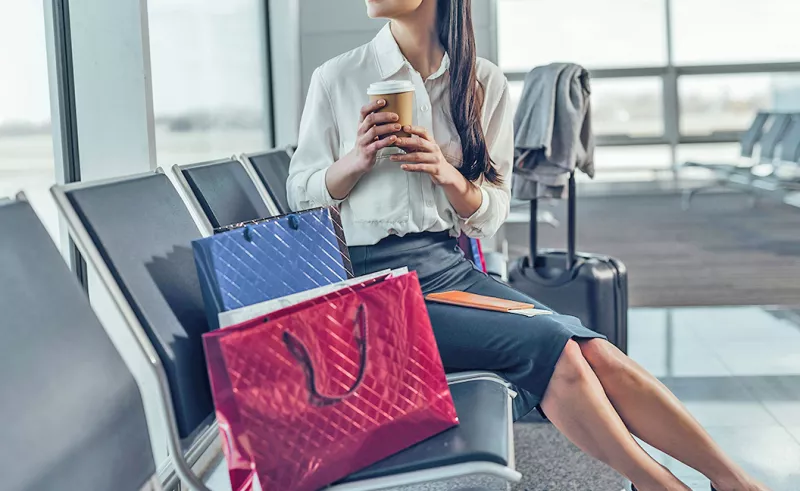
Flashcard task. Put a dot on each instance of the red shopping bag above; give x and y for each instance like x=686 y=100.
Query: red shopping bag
x=314 y=392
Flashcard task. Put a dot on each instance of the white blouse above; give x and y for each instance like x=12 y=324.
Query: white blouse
x=389 y=200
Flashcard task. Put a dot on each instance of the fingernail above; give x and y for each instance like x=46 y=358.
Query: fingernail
x=406 y=128
x=393 y=138
x=397 y=126
x=395 y=117
x=381 y=102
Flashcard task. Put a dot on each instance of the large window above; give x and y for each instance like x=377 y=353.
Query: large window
x=680 y=78
x=632 y=163
x=629 y=107
x=596 y=32
x=209 y=79
x=26 y=144
x=620 y=107
x=710 y=32
x=725 y=103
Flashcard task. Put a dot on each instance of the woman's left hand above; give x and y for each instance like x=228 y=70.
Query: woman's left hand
x=424 y=155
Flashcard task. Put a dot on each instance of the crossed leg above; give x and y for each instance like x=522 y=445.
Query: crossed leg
x=598 y=396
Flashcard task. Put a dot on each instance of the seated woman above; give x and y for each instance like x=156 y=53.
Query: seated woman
x=405 y=209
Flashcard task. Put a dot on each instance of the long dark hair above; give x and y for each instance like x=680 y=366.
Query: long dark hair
x=454 y=19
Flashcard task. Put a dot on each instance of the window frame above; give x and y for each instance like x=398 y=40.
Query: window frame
x=81 y=156
x=670 y=75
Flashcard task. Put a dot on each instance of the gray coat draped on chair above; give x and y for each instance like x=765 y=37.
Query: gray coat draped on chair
x=552 y=131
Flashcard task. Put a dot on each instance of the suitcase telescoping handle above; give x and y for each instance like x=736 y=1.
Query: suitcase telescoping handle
x=534 y=250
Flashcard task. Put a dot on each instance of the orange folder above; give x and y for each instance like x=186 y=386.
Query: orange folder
x=474 y=301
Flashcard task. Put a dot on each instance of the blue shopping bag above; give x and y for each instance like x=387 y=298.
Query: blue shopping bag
x=472 y=251
x=252 y=262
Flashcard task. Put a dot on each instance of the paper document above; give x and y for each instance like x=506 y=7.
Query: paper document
x=530 y=312
x=234 y=317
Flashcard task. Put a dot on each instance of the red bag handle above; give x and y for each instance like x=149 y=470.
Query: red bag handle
x=301 y=354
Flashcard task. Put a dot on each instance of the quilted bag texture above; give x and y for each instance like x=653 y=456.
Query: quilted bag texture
x=312 y=393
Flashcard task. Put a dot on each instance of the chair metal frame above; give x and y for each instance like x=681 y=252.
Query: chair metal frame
x=88 y=249
x=741 y=177
x=154 y=482
x=244 y=158
x=204 y=442
x=189 y=198
x=193 y=203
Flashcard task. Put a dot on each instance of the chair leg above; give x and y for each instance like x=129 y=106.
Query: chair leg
x=752 y=202
x=686 y=199
x=688 y=194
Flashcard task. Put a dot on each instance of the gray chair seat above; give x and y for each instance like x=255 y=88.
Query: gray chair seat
x=72 y=414
x=272 y=169
x=747 y=142
x=718 y=167
x=225 y=192
x=142 y=234
x=481 y=436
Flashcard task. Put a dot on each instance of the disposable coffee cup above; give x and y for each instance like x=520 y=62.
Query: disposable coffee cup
x=399 y=97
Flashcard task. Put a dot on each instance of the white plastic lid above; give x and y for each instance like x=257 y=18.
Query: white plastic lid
x=390 y=87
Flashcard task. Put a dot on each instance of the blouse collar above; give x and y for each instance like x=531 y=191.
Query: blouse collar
x=390 y=59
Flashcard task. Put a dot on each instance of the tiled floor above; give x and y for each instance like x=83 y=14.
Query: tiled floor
x=738 y=371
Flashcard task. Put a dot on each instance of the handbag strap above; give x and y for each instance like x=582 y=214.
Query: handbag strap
x=301 y=353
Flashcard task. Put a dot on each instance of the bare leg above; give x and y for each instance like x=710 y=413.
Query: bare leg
x=655 y=415
x=577 y=405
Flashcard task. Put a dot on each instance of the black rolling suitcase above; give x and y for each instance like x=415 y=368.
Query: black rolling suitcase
x=588 y=286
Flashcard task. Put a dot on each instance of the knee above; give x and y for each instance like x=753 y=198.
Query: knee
x=572 y=368
x=603 y=356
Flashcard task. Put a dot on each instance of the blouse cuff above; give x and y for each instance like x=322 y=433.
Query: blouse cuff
x=321 y=194
x=478 y=217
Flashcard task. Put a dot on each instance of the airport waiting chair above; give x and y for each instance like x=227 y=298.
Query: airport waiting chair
x=136 y=233
x=789 y=152
x=783 y=173
x=223 y=191
x=747 y=142
x=272 y=170
x=72 y=412
x=739 y=176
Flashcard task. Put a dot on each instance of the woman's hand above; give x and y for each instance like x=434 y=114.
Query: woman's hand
x=344 y=174
x=372 y=134
x=424 y=155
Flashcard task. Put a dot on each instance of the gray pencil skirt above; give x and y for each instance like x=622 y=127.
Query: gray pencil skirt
x=523 y=350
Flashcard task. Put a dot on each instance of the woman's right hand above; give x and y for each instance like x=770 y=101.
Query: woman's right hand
x=344 y=174
x=372 y=134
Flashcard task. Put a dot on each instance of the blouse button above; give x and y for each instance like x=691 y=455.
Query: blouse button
x=425 y=108
x=392 y=231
